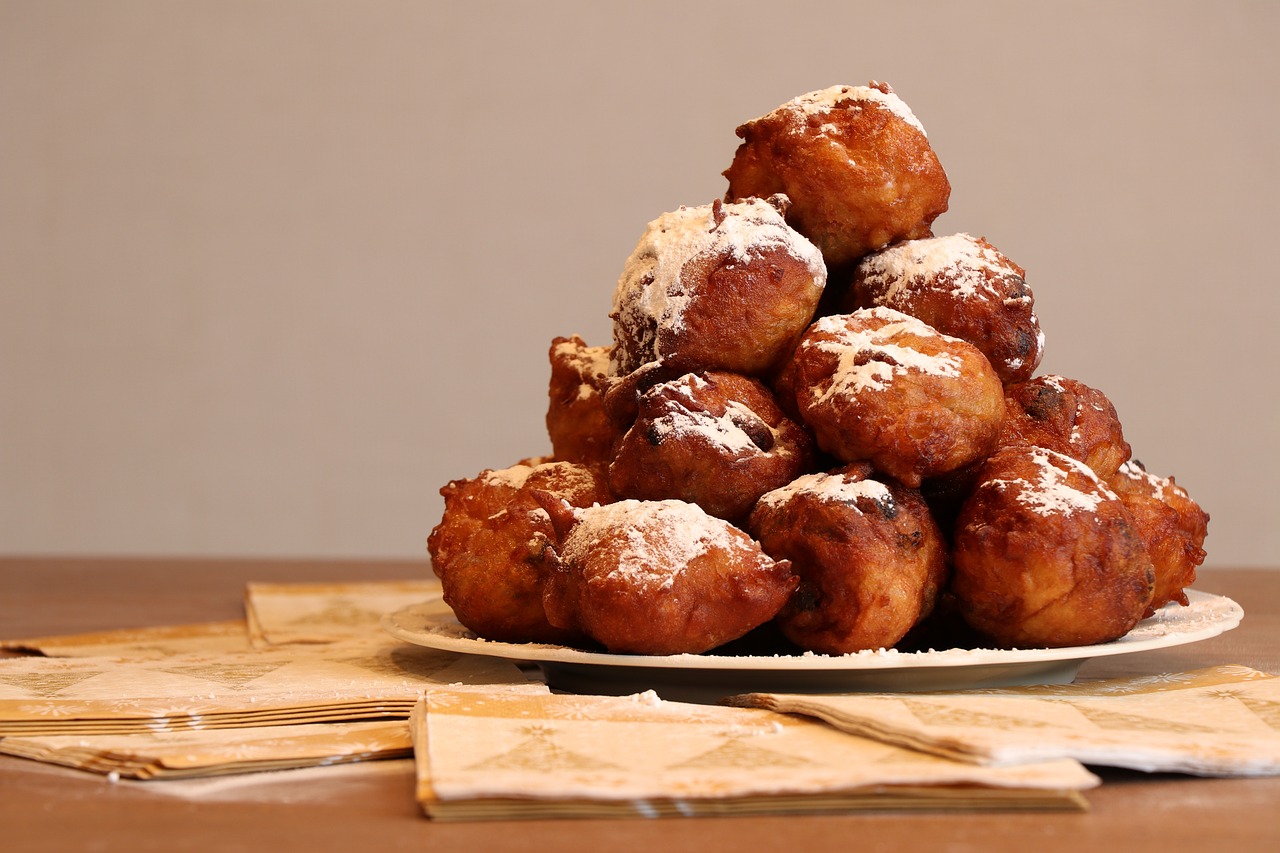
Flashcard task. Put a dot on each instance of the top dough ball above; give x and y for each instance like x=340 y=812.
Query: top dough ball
x=856 y=164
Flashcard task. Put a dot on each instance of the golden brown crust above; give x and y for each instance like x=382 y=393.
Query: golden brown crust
x=1045 y=555
x=1171 y=523
x=879 y=386
x=490 y=548
x=963 y=287
x=577 y=423
x=715 y=439
x=661 y=578
x=1067 y=416
x=871 y=560
x=855 y=163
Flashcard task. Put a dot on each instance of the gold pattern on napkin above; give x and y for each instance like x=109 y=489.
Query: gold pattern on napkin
x=488 y=756
x=353 y=680
x=230 y=636
x=187 y=754
x=290 y=613
x=1219 y=721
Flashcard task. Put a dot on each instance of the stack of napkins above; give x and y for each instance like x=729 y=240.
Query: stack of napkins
x=199 y=700
x=351 y=680
x=486 y=756
x=1219 y=721
x=218 y=752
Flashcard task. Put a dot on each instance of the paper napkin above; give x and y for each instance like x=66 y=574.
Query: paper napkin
x=491 y=756
x=1219 y=721
x=218 y=752
x=289 y=613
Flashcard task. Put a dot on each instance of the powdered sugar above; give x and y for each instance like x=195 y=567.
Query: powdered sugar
x=653 y=541
x=688 y=417
x=590 y=363
x=829 y=488
x=845 y=97
x=720 y=432
x=566 y=479
x=1161 y=487
x=1051 y=493
x=869 y=358
x=512 y=478
x=960 y=261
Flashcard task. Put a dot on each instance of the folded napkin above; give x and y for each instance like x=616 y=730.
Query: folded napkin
x=352 y=680
x=229 y=636
x=486 y=755
x=1219 y=721
x=288 y=613
x=188 y=754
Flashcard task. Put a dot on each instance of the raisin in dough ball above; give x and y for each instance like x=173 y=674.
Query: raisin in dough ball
x=490 y=548
x=715 y=439
x=963 y=287
x=577 y=423
x=870 y=559
x=716 y=287
x=880 y=386
x=660 y=577
x=1045 y=555
x=1067 y=416
x=1171 y=523
x=856 y=164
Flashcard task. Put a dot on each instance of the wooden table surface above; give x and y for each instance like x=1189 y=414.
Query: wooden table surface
x=371 y=807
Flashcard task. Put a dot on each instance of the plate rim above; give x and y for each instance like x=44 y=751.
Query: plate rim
x=881 y=659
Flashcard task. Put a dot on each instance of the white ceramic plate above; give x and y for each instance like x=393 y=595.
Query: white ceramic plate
x=709 y=677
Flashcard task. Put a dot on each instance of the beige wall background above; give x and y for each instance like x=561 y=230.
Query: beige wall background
x=273 y=272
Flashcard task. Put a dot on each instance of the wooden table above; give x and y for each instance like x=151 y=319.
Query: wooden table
x=371 y=807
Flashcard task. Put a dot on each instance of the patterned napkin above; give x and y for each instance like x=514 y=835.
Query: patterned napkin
x=284 y=614
x=1219 y=721
x=186 y=754
x=368 y=679
x=487 y=755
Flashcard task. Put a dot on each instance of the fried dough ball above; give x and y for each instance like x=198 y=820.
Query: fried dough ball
x=660 y=578
x=715 y=439
x=579 y=428
x=963 y=287
x=1171 y=523
x=880 y=386
x=716 y=287
x=870 y=559
x=855 y=162
x=1045 y=555
x=1067 y=416
x=489 y=548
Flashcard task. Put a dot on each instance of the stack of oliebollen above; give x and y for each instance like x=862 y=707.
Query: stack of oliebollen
x=818 y=428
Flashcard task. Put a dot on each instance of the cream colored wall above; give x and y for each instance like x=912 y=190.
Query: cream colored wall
x=271 y=273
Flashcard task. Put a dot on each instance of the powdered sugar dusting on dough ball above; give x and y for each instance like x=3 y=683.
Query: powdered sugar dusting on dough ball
x=836 y=97
x=870 y=357
x=966 y=265
x=658 y=538
x=1051 y=492
x=829 y=487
